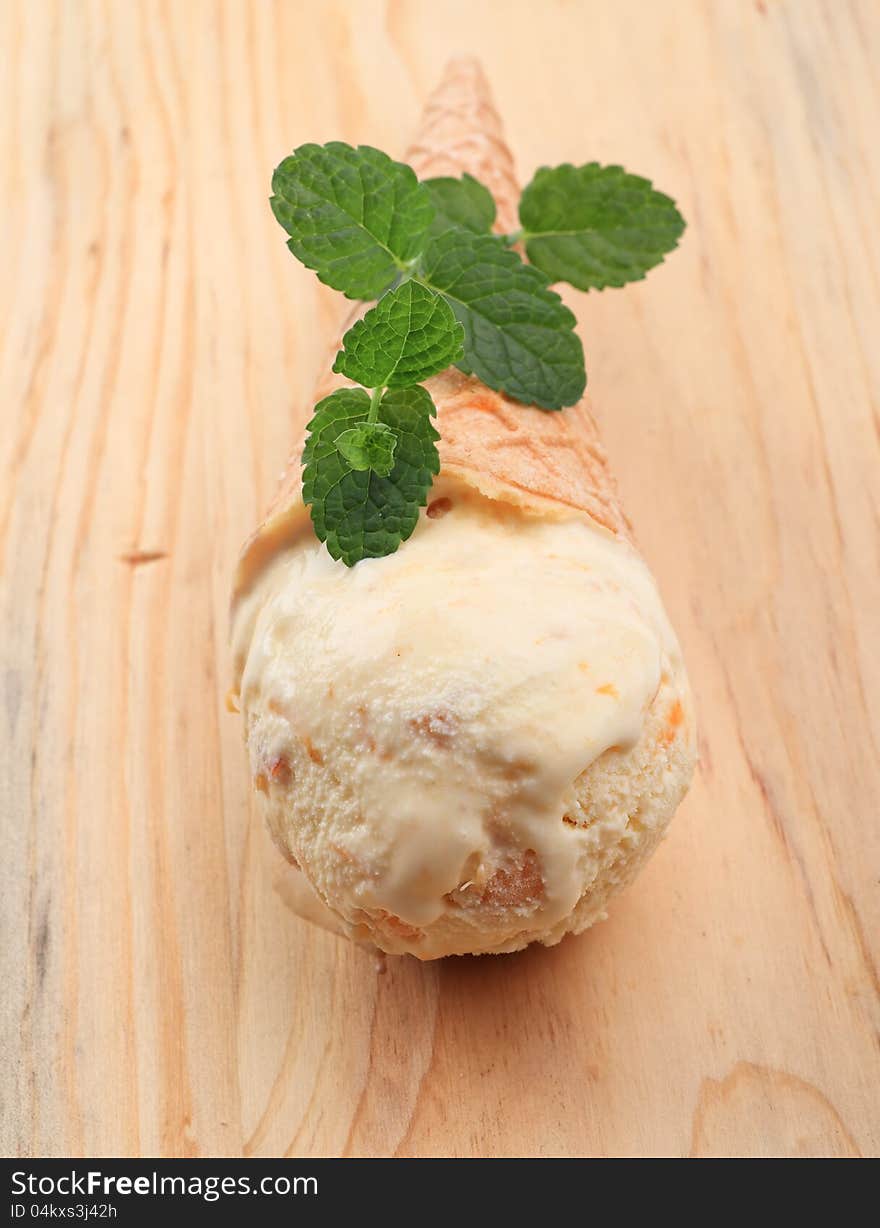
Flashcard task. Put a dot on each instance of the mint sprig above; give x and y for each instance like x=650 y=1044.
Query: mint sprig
x=449 y=292
x=595 y=226
x=410 y=335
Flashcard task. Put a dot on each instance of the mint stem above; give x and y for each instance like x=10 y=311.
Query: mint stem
x=375 y=398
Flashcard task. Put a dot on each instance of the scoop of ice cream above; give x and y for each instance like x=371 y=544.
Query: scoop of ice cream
x=470 y=744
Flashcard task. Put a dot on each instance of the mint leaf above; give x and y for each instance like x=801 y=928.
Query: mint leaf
x=461 y=202
x=360 y=513
x=518 y=334
x=370 y=446
x=596 y=226
x=411 y=333
x=353 y=215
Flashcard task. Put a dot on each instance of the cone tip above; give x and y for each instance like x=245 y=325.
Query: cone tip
x=461 y=131
x=465 y=73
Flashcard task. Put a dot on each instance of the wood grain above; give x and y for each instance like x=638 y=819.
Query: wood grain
x=158 y=995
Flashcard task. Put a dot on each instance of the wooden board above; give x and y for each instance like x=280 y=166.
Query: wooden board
x=158 y=995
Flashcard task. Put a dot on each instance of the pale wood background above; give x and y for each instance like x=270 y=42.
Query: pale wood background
x=157 y=994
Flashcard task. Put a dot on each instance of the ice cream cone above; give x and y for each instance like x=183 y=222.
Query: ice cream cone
x=450 y=783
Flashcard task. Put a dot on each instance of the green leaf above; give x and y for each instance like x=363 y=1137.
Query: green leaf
x=370 y=446
x=360 y=513
x=411 y=333
x=596 y=226
x=461 y=202
x=518 y=334
x=353 y=215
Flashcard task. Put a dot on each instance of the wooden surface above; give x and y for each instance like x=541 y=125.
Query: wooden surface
x=158 y=994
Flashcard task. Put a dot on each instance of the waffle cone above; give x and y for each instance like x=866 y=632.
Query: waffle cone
x=545 y=463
